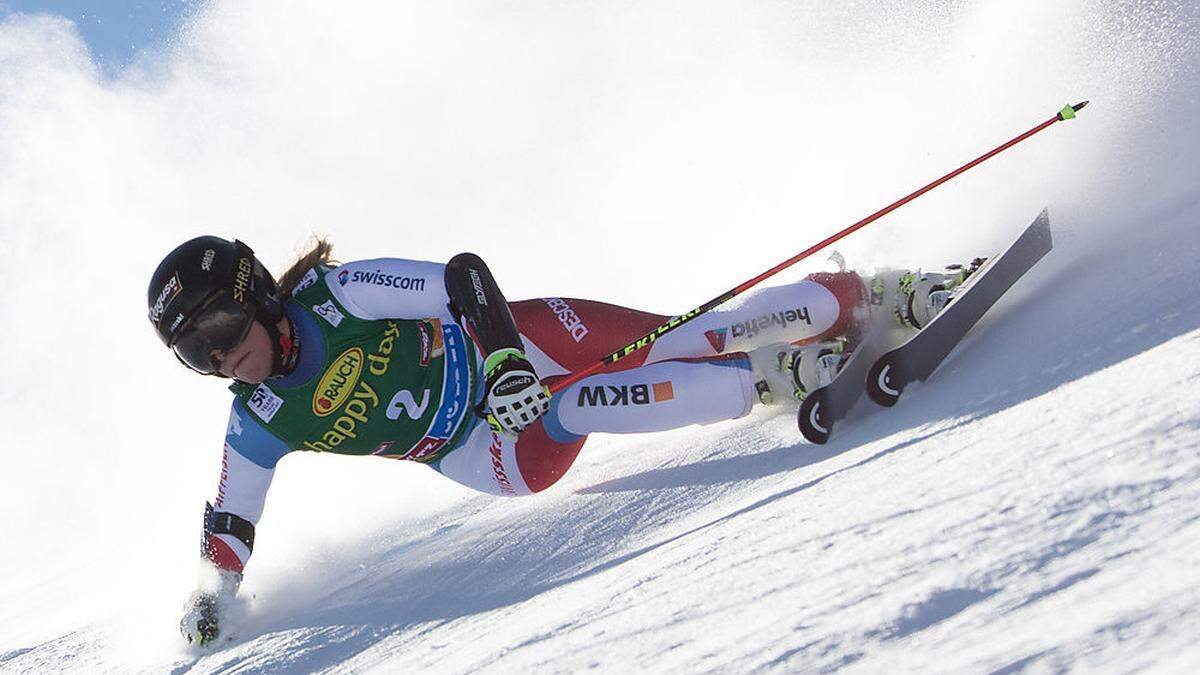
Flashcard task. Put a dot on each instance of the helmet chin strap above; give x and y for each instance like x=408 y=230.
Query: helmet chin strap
x=285 y=347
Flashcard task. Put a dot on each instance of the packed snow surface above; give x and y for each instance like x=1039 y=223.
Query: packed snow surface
x=1034 y=506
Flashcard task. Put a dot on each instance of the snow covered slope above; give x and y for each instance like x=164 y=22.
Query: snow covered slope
x=1034 y=506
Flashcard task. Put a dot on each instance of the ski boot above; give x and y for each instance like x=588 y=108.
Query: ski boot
x=919 y=296
x=786 y=372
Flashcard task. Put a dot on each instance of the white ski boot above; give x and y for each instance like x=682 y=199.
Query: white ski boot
x=785 y=372
x=921 y=295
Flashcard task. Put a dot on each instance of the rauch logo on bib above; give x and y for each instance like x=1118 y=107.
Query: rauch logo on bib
x=337 y=382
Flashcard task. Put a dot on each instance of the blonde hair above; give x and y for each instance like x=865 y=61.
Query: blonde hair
x=320 y=253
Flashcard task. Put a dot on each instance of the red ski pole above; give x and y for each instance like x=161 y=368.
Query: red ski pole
x=646 y=340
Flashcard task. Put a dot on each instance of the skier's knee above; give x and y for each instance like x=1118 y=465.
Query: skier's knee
x=852 y=297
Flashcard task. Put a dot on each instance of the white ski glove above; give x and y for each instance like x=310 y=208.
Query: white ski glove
x=515 y=397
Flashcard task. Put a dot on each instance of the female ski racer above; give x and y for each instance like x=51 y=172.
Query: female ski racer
x=428 y=362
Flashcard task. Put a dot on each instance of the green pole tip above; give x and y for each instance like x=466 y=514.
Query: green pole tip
x=1068 y=111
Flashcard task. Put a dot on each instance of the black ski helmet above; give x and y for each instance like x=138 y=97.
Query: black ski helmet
x=205 y=296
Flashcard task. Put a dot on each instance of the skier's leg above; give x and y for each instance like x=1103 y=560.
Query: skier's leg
x=656 y=397
x=914 y=298
x=568 y=334
x=563 y=335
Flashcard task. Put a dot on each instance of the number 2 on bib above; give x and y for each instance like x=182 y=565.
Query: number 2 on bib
x=404 y=403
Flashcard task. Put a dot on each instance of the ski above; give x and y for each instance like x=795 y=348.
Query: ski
x=825 y=406
x=920 y=355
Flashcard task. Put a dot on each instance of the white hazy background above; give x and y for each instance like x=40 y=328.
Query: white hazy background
x=651 y=154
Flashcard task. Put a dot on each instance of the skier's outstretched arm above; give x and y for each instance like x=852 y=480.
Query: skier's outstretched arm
x=247 y=467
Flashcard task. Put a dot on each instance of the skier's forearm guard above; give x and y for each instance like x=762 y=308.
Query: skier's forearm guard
x=477 y=301
x=223 y=522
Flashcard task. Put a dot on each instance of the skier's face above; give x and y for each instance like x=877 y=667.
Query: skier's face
x=250 y=361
